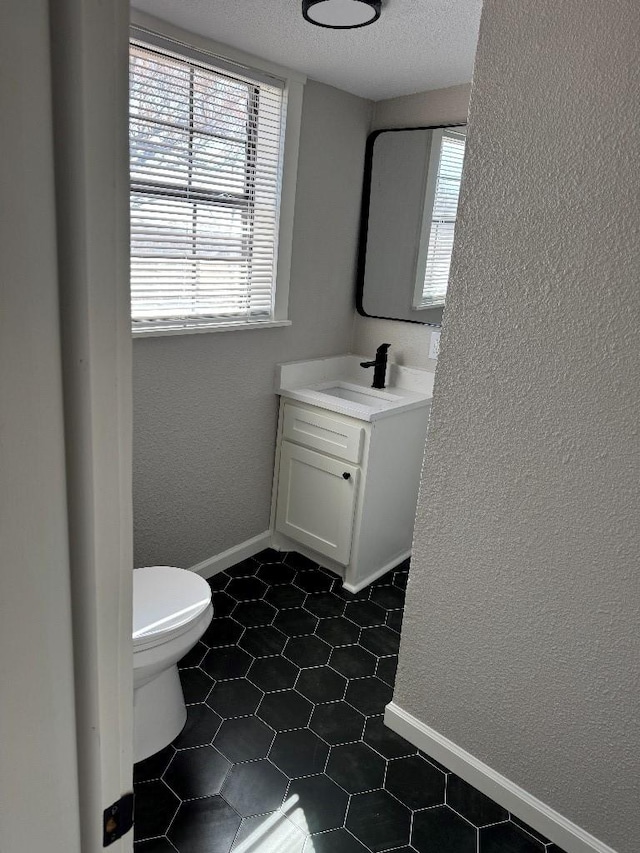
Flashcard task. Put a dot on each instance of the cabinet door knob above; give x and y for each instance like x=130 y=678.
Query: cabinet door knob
x=346 y=475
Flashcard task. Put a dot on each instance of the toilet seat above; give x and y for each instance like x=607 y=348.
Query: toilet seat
x=167 y=602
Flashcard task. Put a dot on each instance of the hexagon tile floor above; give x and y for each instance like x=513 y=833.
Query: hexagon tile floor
x=284 y=749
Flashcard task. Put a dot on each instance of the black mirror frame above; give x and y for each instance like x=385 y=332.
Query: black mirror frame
x=364 y=218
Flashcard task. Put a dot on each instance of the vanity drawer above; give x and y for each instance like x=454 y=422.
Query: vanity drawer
x=322 y=432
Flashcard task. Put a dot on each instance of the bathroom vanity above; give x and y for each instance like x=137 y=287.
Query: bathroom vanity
x=348 y=463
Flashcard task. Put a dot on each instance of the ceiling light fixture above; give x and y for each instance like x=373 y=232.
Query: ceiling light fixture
x=341 y=14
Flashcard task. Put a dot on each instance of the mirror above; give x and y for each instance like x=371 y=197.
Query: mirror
x=410 y=201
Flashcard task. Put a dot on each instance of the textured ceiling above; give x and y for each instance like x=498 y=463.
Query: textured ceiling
x=416 y=44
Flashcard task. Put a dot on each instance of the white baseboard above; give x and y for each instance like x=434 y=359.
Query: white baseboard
x=209 y=568
x=567 y=835
x=356 y=587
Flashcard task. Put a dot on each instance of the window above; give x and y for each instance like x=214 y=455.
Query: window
x=206 y=161
x=448 y=153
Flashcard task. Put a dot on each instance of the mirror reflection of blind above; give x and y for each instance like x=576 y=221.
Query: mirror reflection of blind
x=443 y=220
x=205 y=162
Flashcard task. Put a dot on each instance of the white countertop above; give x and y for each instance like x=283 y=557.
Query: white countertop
x=339 y=384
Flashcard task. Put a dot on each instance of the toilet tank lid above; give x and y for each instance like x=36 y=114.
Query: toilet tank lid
x=165 y=597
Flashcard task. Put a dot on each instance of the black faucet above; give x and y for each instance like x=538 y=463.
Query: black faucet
x=379 y=366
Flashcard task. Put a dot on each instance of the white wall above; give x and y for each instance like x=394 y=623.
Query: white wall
x=438 y=106
x=409 y=341
x=521 y=639
x=204 y=404
x=38 y=781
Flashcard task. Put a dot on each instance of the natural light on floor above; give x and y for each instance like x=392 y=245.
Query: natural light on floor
x=276 y=834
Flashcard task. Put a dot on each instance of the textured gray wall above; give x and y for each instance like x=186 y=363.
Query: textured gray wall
x=204 y=406
x=409 y=341
x=520 y=640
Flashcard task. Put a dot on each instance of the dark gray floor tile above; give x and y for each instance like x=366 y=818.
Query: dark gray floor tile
x=337 y=723
x=255 y=788
x=193 y=657
x=321 y=804
x=200 y=728
x=285 y=596
x=209 y=824
x=299 y=753
x=222 y=632
x=470 y=803
x=338 y=631
x=415 y=782
x=246 y=589
x=386 y=670
x=385 y=741
x=155 y=806
x=261 y=642
x=245 y=568
x=389 y=597
x=340 y=590
x=321 y=684
x=234 y=698
x=365 y=613
x=269 y=833
x=382 y=641
x=379 y=821
x=254 y=614
x=154 y=845
x=394 y=620
x=307 y=651
x=324 y=605
x=440 y=830
x=313 y=581
x=222 y=603
x=270 y=555
x=529 y=829
x=218 y=581
x=334 y=841
x=433 y=761
x=244 y=739
x=356 y=767
x=295 y=622
x=197 y=772
x=298 y=561
x=353 y=661
x=274 y=673
x=154 y=766
x=196 y=685
x=369 y=695
x=276 y=573
x=508 y=838
x=227 y=662
x=285 y=710
x=400 y=580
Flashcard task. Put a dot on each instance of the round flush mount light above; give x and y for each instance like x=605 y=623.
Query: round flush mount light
x=341 y=14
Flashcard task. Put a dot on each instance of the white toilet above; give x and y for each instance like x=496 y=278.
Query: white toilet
x=171 y=611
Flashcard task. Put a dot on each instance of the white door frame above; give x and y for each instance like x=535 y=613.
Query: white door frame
x=38 y=766
x=89 y=42
x=65 y=425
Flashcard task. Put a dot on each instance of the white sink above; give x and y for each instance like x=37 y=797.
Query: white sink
x=341 y=385
x=372 y=397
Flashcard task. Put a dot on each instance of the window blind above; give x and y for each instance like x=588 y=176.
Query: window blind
x=206 y=150
x=443 y=220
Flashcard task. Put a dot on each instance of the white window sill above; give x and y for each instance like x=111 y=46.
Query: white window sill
x=218 y=327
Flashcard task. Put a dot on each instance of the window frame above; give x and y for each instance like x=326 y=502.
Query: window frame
x=455 y=132
x=154 y=35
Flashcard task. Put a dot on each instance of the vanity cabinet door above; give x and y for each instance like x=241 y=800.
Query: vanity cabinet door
x=316 y=500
